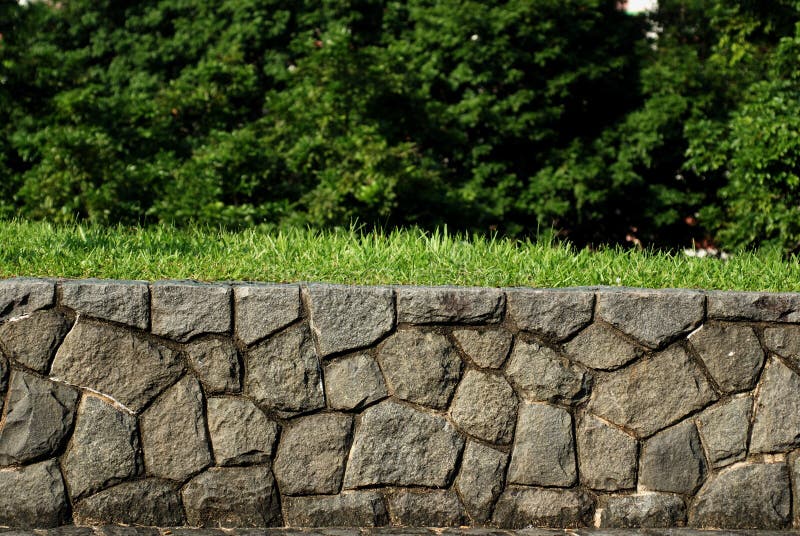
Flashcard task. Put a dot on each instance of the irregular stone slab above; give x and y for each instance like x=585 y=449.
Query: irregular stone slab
x=540 y=374
x=784 y=341
x=600 y=347
x=116 y=362
x=723 y=430
x=261 y=310
x=481 y=479
x=421 y=367
x=777 y=422
x=606 y=456
x=103 y=450
x=232 y=497
x=544 y=449
x=283 y=373
x=486 y=348
x=346 y=318
x=174 y=437
x=519 y=508
x=33 y=496
x=184 y=309
x=216 y=363
x=654 y=393
x=32 y=341
x=673 y=460
x=21 y=296
x=485 y=406
x=398 y=446
x=556 y=313
x=731 y=353
x=436 y=508
x=754 y=306
x=744 y=496
x=645 y=510
x=349 y=508
x=311 y=454
x=436 y=305
x=38 y=418
x=149 y=502
x=240 y=432
x=126 y=302
x=354 y=381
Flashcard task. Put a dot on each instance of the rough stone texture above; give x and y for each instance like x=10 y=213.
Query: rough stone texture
x=784 y=341
x=731 y=353
x=794 y=472
x=673 y=460
x=126 y=302
x=311 y=454
x=486 y=348
x=539 y=373
x=754 y=306
x=652 y=394
x=103 y=450
x=518 y=508
x=184 y=309
x=283 y=373
x=353 y=508
x=240 y=432
x=261 y=310
x=653 y=317
x=38 y=418
x=345 y=318
x=232 y=497
x=21 y=296
x=174 y=438
x=116 y=362
x=3 y=380
x=599 y=347
x=438 y=508
x=606 y=455
x=723 y=430
x=150 y=502
x=544 y=449
x=397 y=445
x=421 y=367
x=645 y=510
x=436 y=305
x=354 y=381
x=32 y=341
x=777 y=410
x=556 y=313
x=744 y=496
x=485 y=406
x=481 y=479
x=33 y=496
x=216 y=363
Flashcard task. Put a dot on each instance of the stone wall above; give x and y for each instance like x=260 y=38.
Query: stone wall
x=250 y=405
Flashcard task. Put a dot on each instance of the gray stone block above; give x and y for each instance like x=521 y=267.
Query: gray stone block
x=606 y=455
x=32 y=341
x=777 y=410
x=184 y=309
x=347 y=509
x=723 y=430
x=485 y=406
x=487 y=348
x=126 y=302
x=437 y=305
x=21 y=296
x=149 y=502
x=731 y=353
x=540 y=374
x=544 y=448
x=241 y=434
x=421 y=508
x=33 y=496
x=519 y=508
x=645 y=510
x=216 y=363
x=600 y=347
x=261 y=310
x=481 y=479
x=784 y=341
x=754 y=306
x=354 y=381
x=673 y=460
x=556 y=313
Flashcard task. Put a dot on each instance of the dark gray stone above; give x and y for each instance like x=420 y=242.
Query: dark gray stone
x=184 y=309
x=436 y=305
x=744 y=496
x=261 y=310
x=33 y=496
x=518 y=508
x=149 y=502
x=354 y=381
x=68 y=530
x=485 y=406
x=126 y=302
x=556 y=313
x=21 y=296
x=754 y=306
x=731 y=353
x=38 y=420
x=417 y=508
x=784 y=341
x=487 y=348
x=652 y=394
x=673 y=460
x=311 y=454
x=116 y=362
x=600 y=347
x=122 y=530
x=346 y=318
x=397 y=445
x=240 y=433
x=544 y=449
x=540 y=374
x=777 y=410
x=646 y=510
x=32 y=341
x=3 y=380
x=232 y=497
x=349 y=508
x=481 y=479
x=216 y=363
x=723 y=429
x=421 y=367
x=606 y=455
x=794 y=473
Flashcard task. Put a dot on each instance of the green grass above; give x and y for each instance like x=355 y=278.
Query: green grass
x=347 y=256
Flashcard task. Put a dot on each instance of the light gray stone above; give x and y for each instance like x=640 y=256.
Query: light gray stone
x=33 y=496
x=606 y=455
x=731 y=353
x=32 y=341
x=216 y=363
x=723 y=430
x=754 y=306
x=283 y=373
x=481 y=479
x=348 y=509
x=673 y=460
x=652 y=394
x=126 y=302
x=311 y=454
x=653 y=317
x=354 y=381
x=784 y=341
x=232 y=497
x=261 y=310
x=38 y=420
x=149 y=502
x=398 y=446
x=485 y=406
x=544 y=449
x=346 y=318
x=436 y=305
x=184 y=309
x=174 y=438
x=487 y=348
x=117 y=362
x=421 y=367
x=644 y=510
x=240 y=433
x=777 y=410
x=519 y=508
x=556 y=313
x=21 y=296
x=540 y=374
x=599 y=347
x=418 y=508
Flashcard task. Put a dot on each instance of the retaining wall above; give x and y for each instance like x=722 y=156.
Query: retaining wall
x=252 y=405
